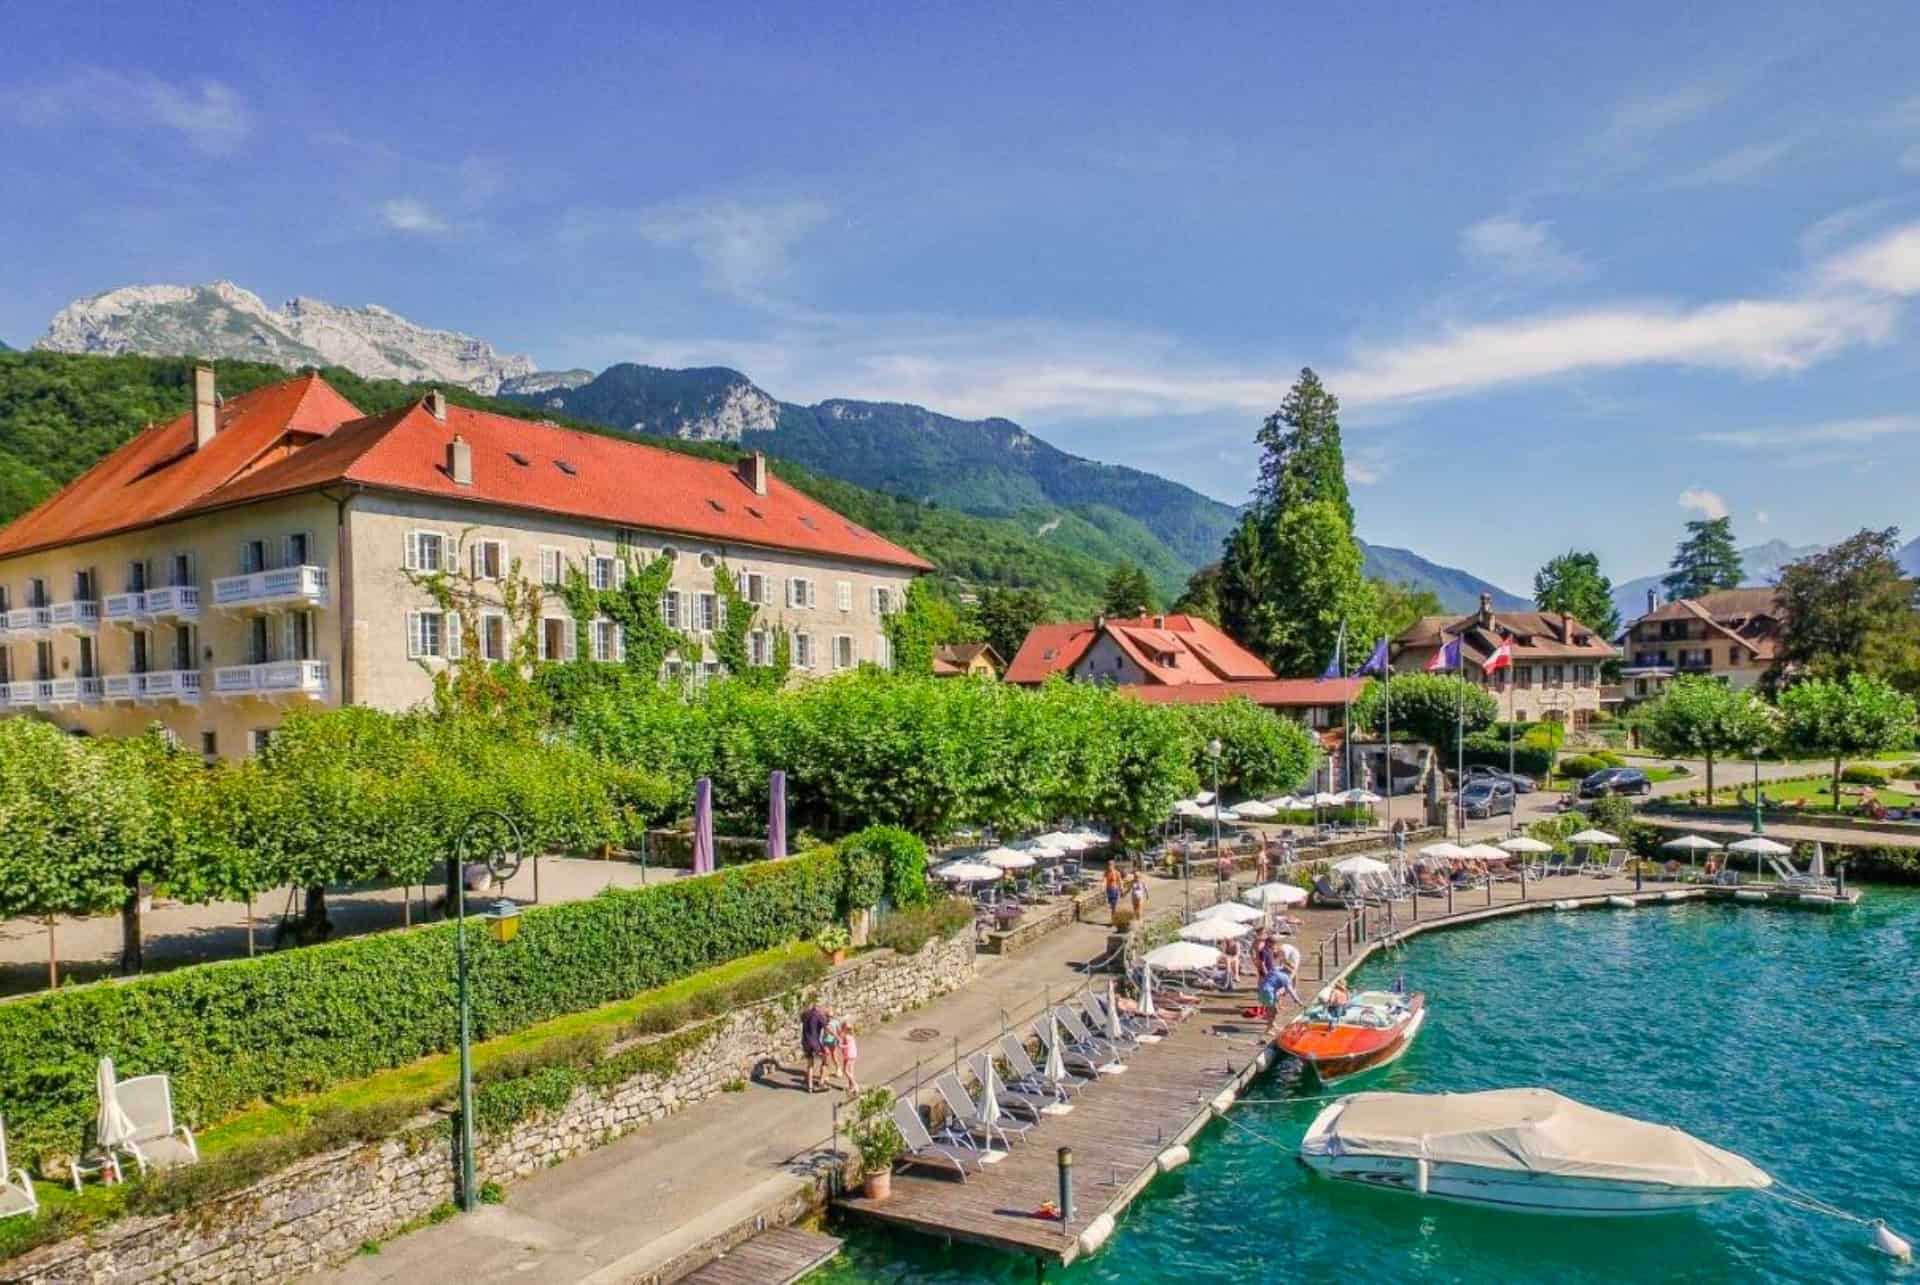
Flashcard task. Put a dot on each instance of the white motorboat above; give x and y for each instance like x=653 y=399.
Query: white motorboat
x=1530 y=1150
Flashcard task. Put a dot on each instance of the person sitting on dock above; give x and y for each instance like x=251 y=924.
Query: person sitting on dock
x=1336 y=1002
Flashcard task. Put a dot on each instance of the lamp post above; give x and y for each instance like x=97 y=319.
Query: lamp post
x=503 y=924
x=1213 y=752
x=1757 y=826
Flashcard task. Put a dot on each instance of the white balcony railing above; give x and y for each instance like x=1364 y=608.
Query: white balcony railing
x=123 y=606
x=181 y=685
x=307 y=585
x=72 y=691
x=180 y=602
x=81 y=613
x=28 y=695
x=120 y=687
x=275 y=678
x=23 y=622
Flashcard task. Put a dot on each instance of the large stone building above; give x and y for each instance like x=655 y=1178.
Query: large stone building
x=277 y=546
x=1728 y=635
x=1556 y=659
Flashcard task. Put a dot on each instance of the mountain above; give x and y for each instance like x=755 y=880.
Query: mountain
x=1909 y=557
x=1458 y=590
x=1761 y=562
x=223 y=320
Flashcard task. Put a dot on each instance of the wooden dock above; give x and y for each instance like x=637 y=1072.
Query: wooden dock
x=777 y=1256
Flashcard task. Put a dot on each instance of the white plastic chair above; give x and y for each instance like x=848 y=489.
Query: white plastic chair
x=16 y=1188
x=156 y=1141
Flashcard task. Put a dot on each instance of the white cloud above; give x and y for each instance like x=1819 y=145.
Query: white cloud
x=1890 y=264
x=1708 y=504
x=211 y=116
x=1520 y=248
x=1829 y=432
x=1739 y=164
x=744 y=247
x=1761 y=517
x=1367 y=463
x=407 y=214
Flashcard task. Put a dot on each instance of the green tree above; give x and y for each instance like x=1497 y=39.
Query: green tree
x=1128 y=593
x=1842 y=718
x=927 y=619
x=1850 y=610
x=1291 y=598
x=1704 y=560
x=1699 y=717
x=1427 y=707
x=1302 y=461
x=1006 y=616
x=1201 y=597
x=1572 y=583
x=1261 y=752
x=1398 y=606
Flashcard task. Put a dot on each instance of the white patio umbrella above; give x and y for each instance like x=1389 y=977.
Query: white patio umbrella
x=1760 y=846
x=1326 y=800
x=1214 y=929
x=1360 y=798
x=113 y=1128
x=1275 y=894
x=1005 y=859
x=988 y=1107
x=1526 y=843
x=1234 y=911
x=1691 y=844
x=1183 y=957
x=1444 y=851
x=1056 y=1068
x=1188 y=808
x=1484 y=852
x=1818 y=867
x=967 y=872
x=1287 y=803
x=1224 y=813
x=1594 y=837
x=1256 y=810
x=1203 y=798
x=1362 y=866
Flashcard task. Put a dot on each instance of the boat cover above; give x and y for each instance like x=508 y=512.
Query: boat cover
x=1536 y=1131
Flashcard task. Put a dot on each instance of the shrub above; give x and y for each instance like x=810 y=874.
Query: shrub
x=1866 y=774
x=295 y=1022
x=903 y=858
x=1490 y=748
x=907 y=931
x=1581 y=765
x=1610 y=758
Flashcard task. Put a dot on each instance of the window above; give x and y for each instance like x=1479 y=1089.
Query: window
x=209 y=746
x=493 y=636
x=180 y=570
x=259 y=641
x=882 y=600
x=297 y=550
x=253 y=557
x=259 y=739
x=37 y=592
x=799 y=592
x=1583 y=673
x=607 y=642
x=43 y=661
x=670 y=608
x=623 y=537
x=1556 y=675
x=87 y=668
x=758 y=651
x=843 y=594
x=551 y=564
x=843 y=654
x=566 y=468
x=299 y=635
x=142 y=657
x=706 y=612
x=556 y=638
x=880 y=654
x=426 y=551
x=489 y=559
x=6 y=665
x=709 y=670
x=1523 y=676
x=753 y=587
x=803 y=651
x=6 y=598
x=603 y=572
x=433 y=633
x=83 y=586
x=183 y=657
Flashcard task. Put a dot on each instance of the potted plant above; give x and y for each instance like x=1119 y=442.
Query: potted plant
x=877 y=1141
x=834 y=941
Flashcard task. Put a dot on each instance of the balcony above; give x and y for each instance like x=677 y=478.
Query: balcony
x=182 y=685
x=182 y=601
x=81 y=613
x=29 y=622
x=71 y=691
x=283 y=586
x=308 y=678
x=124 y=608
x=29 y=695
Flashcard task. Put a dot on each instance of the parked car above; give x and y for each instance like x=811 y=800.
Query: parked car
x=1615 y=780
x=1484 y=798
x=1520 y=781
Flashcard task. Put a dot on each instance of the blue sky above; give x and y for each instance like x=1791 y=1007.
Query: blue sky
x=1576 y=276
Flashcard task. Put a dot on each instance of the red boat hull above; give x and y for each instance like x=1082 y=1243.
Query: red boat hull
x=1336 y=1052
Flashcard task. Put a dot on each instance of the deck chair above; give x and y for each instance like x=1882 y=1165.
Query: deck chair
x=156 y=1141
x=1790 y=877
x=1325 y=894
x=1027 y=1103
x=921 y=1147
x=962 y=1111
x=1078 y=1063
x=1078 y=1037
x=1616 y=864
x=1094 y=1014
x=16 y=1189
x=1028 y=1078
x=1554 y=864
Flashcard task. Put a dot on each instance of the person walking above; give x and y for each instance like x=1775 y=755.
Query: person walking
x=1112 y=882
x=813 y=1031
x=1263 y=863
x=848 y=1050
x=1137 y=895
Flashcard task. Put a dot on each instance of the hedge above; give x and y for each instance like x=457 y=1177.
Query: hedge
x=237 y=1032
x=1490 y=748
x=893 y=862
x=1866 y=774
x=1582 y=765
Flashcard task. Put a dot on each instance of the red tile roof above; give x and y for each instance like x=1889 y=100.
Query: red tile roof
x=1274 y=693
x=606 y=479
x=158 y=475
x=1169 y=650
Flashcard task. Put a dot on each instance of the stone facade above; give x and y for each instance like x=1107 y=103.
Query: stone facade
x=322 y=1209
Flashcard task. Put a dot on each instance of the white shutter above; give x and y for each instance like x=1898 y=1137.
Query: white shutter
x=719 y=612
x=571 y=642
x=506 y=558
x=412 y=562
x=453 y=629
x=413 y=630
x=873 y=599
x=619 y=642
x=475 y=562
x=843 y=594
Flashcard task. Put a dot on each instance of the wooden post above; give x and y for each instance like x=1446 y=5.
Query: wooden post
x=249 y=925
x=1320 y=962
x=1489 y=890
x=1449 y=896
x=53 y=958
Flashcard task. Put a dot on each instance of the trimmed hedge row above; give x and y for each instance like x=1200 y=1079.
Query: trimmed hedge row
x=296 y=1022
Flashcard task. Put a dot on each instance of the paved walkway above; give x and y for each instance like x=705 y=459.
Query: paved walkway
x=621 y=1211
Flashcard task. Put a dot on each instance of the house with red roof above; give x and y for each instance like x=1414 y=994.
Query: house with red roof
x=276 y=547
x=1728 y=635
x=1556 y=659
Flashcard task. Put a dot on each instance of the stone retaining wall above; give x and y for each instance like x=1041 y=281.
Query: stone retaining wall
x=322 y=1209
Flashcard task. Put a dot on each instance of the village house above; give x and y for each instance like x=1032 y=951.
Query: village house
x=1556 y=659
x=1727 y=635
x=276 y=547
x=967 y=660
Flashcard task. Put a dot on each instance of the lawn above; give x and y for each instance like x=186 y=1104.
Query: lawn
x=1819 y=794
x=1562 y=784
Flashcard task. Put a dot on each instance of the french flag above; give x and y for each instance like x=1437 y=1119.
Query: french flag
x=1502 y=658
x=1448 y=657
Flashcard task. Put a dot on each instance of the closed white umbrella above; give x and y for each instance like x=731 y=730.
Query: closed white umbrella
x=1006 y=858
x=1362 y=866
x=1114 y=1032
x=1213 y=930
x=1257 y=810
x=1526 y=843
x=967 y=872
x=1275 y=894
x=988 y=1106
x=1146 y=992
x=1183 y=957
x=1818 y=867
x=1594 y=837
x=1232 y=911
x=113 y=1128
x=1056 y=1068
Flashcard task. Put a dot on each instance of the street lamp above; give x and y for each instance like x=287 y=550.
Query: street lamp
x=1213 y=752
x=503 y=925
x=1757 y=827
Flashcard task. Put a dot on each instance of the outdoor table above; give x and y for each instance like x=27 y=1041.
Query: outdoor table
x=94 y=1162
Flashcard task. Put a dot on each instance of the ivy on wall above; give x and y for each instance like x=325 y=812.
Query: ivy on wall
x=498 y=688
x=634 y=604
x=737 y=620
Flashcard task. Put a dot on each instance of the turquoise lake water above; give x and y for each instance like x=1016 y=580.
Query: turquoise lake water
x=1791 y=1037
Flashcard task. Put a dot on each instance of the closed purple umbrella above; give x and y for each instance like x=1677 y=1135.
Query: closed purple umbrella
x=777 y=815
x=703 y=826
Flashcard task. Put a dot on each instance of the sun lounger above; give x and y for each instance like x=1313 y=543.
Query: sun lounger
x=963 y=1111
x=921 y=1147
x=1616 y=865
x=1077 y=1060
x=1325 y=894
x=156 y=1142
x=1080 y=1037
x=16 y=1189
x=1030 y=1077
x=1790 y=877
x=1025 y=1102
x=1094 y=1013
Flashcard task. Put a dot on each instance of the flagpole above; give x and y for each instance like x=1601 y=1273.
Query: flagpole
x=1346 y=741
x=1459 y=743
x=1386 y=678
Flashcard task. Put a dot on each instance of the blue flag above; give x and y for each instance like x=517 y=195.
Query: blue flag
x=1335 y=669
x=1448 y=657
x=1377 y=663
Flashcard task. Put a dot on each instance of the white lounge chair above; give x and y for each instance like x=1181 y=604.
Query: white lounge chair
x=16 y=1189
x=1789 y=877
x=1616 y=864
x=155 y=1142
x=962 y=1110
x=1030 y=1078
x=921 y=1148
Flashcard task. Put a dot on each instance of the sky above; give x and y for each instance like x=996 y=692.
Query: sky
x=1577 y=273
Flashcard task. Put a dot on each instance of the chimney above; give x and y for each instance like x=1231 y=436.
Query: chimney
x=1100 y=624
x=1653 y=600
x=753 y=471
x=1486 y=608
x=1159 y=622
x=460 y=461
x=437 y=406
x=206 y=407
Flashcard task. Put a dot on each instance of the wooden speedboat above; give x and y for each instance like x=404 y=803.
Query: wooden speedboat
x=1371 y=1031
